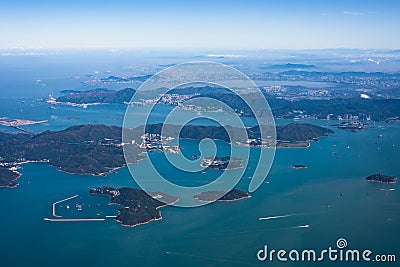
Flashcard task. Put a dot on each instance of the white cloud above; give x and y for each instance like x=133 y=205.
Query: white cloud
x=223 y=55
x=365 y=96
x=353 y=13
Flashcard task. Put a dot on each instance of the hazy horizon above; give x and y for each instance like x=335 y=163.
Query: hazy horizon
x=243 y=25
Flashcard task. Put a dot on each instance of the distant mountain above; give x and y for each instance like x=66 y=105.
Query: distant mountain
x=337 y=75
x=116 y=79
x=201 y=90
x=292 y=66
x=378 y=109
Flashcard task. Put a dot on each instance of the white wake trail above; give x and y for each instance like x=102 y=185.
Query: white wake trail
x=279 y=216
x=300 y=226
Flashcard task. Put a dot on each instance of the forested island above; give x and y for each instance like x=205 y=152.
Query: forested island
x=381 y=178
x=222 y=163
x=97 y=149
x=299 y=166
x=139 y=207
x=100 y=95
x=210 y=196
x=290 y=134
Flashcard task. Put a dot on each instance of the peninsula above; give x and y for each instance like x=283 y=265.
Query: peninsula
x=99 y=95
x=9 y=176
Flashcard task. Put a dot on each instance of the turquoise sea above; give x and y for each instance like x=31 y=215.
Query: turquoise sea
x=331 y=196
x=328 y=200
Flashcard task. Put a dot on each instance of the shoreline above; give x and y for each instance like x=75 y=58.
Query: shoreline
x=134 y=225
x=12 y=187
x=381 y=182
x=91 y=174
x=219 y=200
x=73 y=173
x=72 y=104
x=307 y=146
x=233 y=200
x=146 y=222
x=102 y=174
x=14 y=169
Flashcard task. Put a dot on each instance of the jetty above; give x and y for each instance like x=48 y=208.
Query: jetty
x=60 y=201
x=75 y=220
x=58 y=218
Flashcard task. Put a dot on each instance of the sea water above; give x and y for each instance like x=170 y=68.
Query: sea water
x=331 y=196
x=329 y=200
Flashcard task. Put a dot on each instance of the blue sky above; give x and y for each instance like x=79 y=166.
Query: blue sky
x=283 y=24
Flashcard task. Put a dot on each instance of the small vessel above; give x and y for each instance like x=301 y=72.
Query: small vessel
x=67 y=207
x=78 y=207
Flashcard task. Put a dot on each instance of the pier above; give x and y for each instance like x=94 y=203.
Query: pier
x=60 y=201
x=58 y=218
x=75 y=220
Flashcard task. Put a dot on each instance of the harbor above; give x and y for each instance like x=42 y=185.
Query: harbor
x=58 y=202
x=59 y=218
